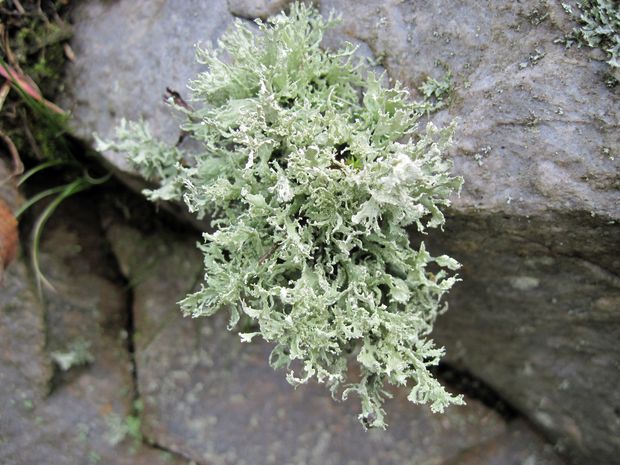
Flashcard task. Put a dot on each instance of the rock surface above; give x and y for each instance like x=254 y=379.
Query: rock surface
x=21 y=319
x=65 y=417
x=539 y=117
x=517 y=446
x=128 y=52
x=536 y=227
x=545 y=324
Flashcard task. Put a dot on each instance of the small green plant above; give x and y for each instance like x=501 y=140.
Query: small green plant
x=60 y=193
x=599 y=22
x=128 y=427
x=311 y=172
x=34 y=49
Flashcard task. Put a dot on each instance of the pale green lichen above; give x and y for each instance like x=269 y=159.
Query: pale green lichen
x=437 y=92
x=312 y=172
x=77 y=354
x=599 y=22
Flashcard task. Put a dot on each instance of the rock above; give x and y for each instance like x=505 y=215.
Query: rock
x=217 y=401
x=91 y=392
x=540 y=131
x=536 y=226
x=26 y=366
x=517 y=446
x=537 y=318
x=127 y=53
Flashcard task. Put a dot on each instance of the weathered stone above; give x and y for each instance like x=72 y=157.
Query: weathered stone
x=537 y=318
x=517 y=446
x=21 y=319
x=537 y=314
x=127 y=53
x=540 y=130
x=73 y=425
x=25 y=367
x=536 y=226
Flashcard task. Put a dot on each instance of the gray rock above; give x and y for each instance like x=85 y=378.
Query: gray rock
x=217 y=401
x=25 y=367
x=536 y=226
x=537 y=317
x=127 y=53
x=540 y=131
x=68 y=418
x=517 y=446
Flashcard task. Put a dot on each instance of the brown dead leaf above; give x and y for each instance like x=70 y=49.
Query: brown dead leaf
x=8 y=237
x=106 y=409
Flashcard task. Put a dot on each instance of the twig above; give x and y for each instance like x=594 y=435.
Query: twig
x=6 y=45
x=177 y=99
x=18 y=166
x=31 y=139
x=19 y=7
x=268 y=254
x=180 y=101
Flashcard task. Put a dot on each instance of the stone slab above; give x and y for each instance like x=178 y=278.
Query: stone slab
x=65 y=417
x=537 y=145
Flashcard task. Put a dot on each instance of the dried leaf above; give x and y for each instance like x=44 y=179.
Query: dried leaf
x=8 y=237
x=28 y=86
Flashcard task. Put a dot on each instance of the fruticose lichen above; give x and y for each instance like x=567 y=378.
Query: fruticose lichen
x=599 y=27
x=311 y=172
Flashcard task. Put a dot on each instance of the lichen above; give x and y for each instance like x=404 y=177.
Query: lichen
x=435 y=92
x=77 y=354
x=599 y=27
x=312 y=174
x=35 y=44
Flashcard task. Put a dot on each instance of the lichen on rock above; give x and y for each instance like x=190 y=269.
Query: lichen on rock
x=599 y=27
x=312 y=172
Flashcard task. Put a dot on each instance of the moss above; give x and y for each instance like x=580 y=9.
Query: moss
x=36 y=41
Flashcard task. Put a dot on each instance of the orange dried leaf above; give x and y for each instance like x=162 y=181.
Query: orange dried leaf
x=8 y=237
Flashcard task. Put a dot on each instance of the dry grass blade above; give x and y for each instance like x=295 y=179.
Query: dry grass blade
x=25 y=84
x=18 y=166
